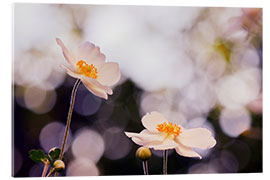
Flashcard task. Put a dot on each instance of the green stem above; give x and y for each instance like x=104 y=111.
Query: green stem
x=45 y=169
x=145 y=168
x=165 y=161
x=73 y=94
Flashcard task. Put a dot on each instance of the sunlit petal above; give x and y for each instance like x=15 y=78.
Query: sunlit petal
x=71 y=72
x=109 y=74
x=166 y=144
x=91 y=54
x=151 y=120
x=96 y=90
x=145 y=137
x=70 y=58
x=186 y=151
x=197 y=138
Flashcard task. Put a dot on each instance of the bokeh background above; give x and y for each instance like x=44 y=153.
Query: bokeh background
x=200 y=67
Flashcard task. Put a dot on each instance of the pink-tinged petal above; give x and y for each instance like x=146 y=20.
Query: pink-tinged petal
x=196 y=138
x=107 y=89
x=234 y=24
x=145 y=137
x=135 y=138
x=70 y=58
x=186 y=151
x=151 y=120
x=91 y=54
x=109 y=74
x=96 y=88
x=71 y=72
x=95 y=91
x=89 y=84
x=256 y=105
x=166 y=144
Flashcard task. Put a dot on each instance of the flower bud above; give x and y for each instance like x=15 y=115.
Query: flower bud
x=53 y=149
x=143 y=153
x=59 y=165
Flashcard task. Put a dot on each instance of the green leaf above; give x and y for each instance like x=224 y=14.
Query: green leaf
x=54 y=153
x=37 y=155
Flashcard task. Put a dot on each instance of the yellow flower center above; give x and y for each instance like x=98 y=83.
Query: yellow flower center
x=87 y=70
x=224 y=48
x=172 y=130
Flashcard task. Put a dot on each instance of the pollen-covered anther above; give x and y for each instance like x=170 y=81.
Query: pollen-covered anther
x=170 y=129
x=87 y=70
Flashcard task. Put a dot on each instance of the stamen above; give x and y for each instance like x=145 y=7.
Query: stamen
x=87 y=70
x=169 y=129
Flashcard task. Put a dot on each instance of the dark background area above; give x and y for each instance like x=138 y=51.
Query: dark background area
x=124 y=105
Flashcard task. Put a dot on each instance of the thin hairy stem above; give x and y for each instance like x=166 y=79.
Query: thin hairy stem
x=51 y=172
x=165 y=161
x=45 y=169
x=72 y=100
x=145 y=168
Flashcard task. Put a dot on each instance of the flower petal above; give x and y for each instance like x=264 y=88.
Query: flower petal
x=197 y=138
x=70 y=58
x=107 y=89
x=186 y=151
x=145 y=137
x=235 y=24
x=96 y=88
x=71 y=72
x=151 y=120
x=90 y=54
x=91 y=85
x=109 y=74
x=166 y=144
x=95 y=91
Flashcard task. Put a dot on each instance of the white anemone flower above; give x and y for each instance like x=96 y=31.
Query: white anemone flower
x=160 y=134
x=88 y=64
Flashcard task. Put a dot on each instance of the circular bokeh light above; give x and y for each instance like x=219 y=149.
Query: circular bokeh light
x=117 y=144
x=82 y=167
x=52 y=136
x=234 y=122
x=86 y=103
x=88 y=144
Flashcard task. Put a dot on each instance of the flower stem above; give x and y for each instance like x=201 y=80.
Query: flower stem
x=145 y=167
x=45 y=169
x=165 y=161
x=51 y=172
x=73 y=94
